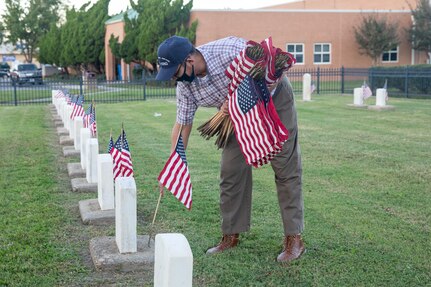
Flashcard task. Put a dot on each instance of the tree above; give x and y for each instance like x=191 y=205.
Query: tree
x=376 y=35
x=80 y=41
x=156 y=21
x=420 y=32
x=27 y=25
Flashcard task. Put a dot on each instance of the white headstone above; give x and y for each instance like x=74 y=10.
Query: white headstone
x=53 y=94
x=173 y=261
x=381 y=95
x=358 y=96
x=92 y=150
x=105 y=179
x=77 y=138
x=70 y=121
x=64 y=115
x=85 y=136
x=125 y=214
x=306 y=87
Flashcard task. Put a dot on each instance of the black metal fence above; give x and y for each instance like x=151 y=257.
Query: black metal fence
x=402 y=82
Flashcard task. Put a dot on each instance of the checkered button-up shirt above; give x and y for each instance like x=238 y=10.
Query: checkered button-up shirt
x=211 y=90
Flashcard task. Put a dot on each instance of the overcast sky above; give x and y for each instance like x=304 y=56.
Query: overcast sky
x=117 y=6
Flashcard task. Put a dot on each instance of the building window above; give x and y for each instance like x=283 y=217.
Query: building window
x=322 y=53
x=297 y=50
x=391 y=55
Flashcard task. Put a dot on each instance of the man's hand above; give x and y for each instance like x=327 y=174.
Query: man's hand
x=225 y=108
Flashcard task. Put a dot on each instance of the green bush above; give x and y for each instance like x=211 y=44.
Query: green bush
x=418 y=78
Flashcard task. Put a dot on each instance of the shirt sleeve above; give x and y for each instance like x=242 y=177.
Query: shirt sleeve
x=186 y=105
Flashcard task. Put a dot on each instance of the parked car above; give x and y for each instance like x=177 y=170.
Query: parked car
x=26 y=73
x=4 y=70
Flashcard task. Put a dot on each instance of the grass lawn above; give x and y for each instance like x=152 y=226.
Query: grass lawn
x=366 y=185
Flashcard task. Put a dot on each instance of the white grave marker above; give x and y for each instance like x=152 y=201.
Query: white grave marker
x=125 y=214
x=85 y=136
x=173 y=262
x=105 y=179
x=381 y=97
x=358 y=96
x=78 y=126
x=306 y=87
x=92 y=150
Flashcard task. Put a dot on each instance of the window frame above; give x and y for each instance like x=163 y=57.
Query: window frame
x=295 y=53
x=390 y=52
x=322 y=53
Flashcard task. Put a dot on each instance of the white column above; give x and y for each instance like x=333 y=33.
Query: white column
x=85 y=136
x=105 y=181
x=92 y=150
x=173 y=261
x=77 y=129
x=125 y=214
x=381 y=97
x=306 y=87
x=358 y=96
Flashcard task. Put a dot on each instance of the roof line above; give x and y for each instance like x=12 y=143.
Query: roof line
x=300 y=11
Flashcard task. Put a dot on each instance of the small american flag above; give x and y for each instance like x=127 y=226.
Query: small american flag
x=386 y=89
x=115 y=152
x=366 y=91
x=126 y=158
x=78 y=110
x=312 y=88
x=59 y=94
x=175 y=176
x=86 y=117
x=92 y=124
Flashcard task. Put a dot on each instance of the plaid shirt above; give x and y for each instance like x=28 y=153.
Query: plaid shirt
x=211 y=90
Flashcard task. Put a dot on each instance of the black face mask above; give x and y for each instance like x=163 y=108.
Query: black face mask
x=185 y=77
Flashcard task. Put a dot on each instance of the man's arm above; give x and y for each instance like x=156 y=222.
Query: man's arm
x=185 y=133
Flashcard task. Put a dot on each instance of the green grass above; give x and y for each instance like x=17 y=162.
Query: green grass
x=366 y=185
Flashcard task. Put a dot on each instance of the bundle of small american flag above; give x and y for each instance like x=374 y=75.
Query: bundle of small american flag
x=258 y=129
x=121 y=156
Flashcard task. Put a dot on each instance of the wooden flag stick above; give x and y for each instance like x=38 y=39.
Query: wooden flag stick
x=160 y=198
x=154 y=219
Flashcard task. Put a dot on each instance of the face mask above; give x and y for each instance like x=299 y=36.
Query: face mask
x=187 y=78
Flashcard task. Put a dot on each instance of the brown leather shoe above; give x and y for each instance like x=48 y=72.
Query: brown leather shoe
x=227 y=241
x=293 y=248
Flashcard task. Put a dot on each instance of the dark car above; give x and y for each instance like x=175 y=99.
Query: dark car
x=26 y=73
x=4 y=70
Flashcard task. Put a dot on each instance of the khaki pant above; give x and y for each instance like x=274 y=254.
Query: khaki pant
x=236 y=175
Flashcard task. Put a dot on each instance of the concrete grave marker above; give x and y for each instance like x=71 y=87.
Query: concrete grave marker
x=173 y=262
x=85 y=136
x=125 y=214
x=92 y=148
x=306 y=87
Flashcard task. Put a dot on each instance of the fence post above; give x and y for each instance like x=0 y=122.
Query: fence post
x=342 y=79
x=318 y=80
x=80 y=86
x=406 y=82
x=144 y=85
x=14 y=93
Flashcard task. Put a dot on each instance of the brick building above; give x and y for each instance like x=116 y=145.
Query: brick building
x=317 y=32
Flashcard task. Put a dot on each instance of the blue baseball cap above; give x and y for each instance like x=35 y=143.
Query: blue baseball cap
x=171 y=53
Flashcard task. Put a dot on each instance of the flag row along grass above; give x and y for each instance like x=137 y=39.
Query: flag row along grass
x=366 y=185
